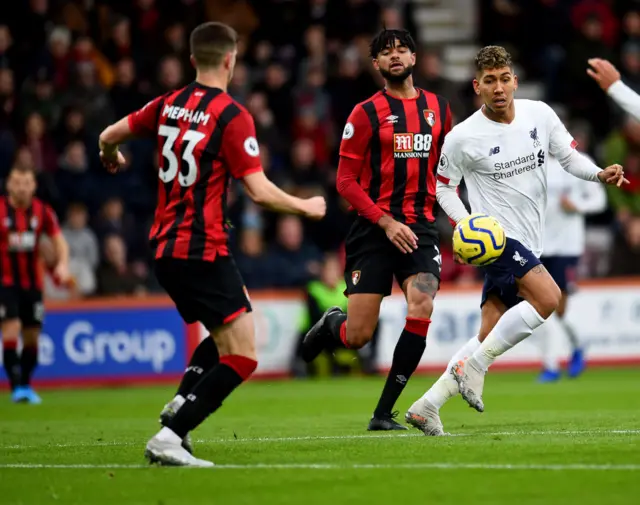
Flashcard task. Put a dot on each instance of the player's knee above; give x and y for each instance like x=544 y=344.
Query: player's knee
x=11 y=329
x=547 y=302
x=359 y=335
x=420 y=306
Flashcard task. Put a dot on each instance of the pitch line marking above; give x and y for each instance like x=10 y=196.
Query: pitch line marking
x=339 y=437
x=355 y=466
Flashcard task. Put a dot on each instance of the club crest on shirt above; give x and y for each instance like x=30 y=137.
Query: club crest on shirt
x=429 y=116
x=355 y=276
x=534 y=136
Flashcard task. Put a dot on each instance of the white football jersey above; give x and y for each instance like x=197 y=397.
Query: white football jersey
x=505 y=166
x=564 y=233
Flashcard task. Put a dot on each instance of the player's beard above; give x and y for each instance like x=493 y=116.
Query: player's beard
x=397 y=78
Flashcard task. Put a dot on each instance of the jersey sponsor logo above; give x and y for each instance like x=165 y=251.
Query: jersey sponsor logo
x=191 y=116
x=429 y=116
x=348 y=132
x=251 y=147
x=355 y=276
x=522 y=164
x=411 y=145
x=22 y=241
x=534 y=136
x=494 y=150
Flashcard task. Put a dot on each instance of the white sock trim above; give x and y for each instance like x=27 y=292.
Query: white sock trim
x=530 y=315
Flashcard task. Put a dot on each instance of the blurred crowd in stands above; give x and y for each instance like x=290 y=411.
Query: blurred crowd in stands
x=70 y=67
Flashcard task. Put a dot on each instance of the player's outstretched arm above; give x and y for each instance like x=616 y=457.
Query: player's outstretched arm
x=449 y=199
x=608 y=78
x=110 y=139
x=265 y=193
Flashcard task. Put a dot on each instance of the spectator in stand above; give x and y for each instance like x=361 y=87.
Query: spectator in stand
x=170 y=74
x=240 y=85
x=72 y=127
x=429 y=77
x=39 y=143
x=175 y=42
x=125 y=93
x=73 y=178
x=113 y=220
x=91 y=97
x=7 y=57
x=250 y=258
x=38 y=96
x=305 y=172
x=277 y=88
x=84 y=252
x=115 y=277
x=57 y=58
x=292 y=261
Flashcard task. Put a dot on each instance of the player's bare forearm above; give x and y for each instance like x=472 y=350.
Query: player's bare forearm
x=266 y=194
x=114 y=135
x=61 y=249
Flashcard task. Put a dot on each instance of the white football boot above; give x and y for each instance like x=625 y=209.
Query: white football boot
x=470 y=380
x=425 y=417
x=168 y=453
x=170 y=410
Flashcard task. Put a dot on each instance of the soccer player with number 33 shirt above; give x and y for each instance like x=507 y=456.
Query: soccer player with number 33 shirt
x=204 y=137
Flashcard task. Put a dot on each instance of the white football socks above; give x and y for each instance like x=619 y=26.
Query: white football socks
x=446 y=387
x=548 y=335
x=514 y=326
x=168 y=435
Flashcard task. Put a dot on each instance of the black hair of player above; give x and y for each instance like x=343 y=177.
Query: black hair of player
x=387 y=38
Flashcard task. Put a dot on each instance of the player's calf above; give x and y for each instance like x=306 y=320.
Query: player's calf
x=236 y=344
x=540 y=290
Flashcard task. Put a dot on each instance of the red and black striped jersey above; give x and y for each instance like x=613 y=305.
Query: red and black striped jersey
x=399 y=142
x=20 y=233
x=204 y=137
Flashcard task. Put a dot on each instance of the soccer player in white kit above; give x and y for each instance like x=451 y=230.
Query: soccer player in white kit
x=569 y=200
x=502 y=152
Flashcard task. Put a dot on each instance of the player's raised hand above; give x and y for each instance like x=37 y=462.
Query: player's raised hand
x=114 y=162
x=400 y=234
x=603 y=72
x=315 y=208
x=613 y=174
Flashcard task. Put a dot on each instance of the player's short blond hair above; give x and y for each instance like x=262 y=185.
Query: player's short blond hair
x=491 y=57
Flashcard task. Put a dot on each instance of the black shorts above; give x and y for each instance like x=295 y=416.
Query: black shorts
x=23 y=304
x=211 y=292
x=373 y=261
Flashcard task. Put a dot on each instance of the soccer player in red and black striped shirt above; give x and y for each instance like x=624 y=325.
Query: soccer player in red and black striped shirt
x=23 y=221
x=204 y=137
x=387 y=172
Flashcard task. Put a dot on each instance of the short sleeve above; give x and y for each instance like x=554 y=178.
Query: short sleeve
x=356 y=135
x=451 y=163
x=240 y=147
x=50 y=225
x=561 y=142
x=144 y=121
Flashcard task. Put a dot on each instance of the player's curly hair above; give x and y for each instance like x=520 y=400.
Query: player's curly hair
x=386 y=38
x=210 y=42
x=491 y=57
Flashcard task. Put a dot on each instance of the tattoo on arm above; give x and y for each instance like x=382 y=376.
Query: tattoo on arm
x=426 y=283
x=538 y=269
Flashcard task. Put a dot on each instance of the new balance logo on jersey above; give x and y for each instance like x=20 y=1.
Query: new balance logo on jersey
x=540 y=157
x=173 y=112
x=392 y=119
x=411 y=145
x=494 y=150
x=520 y=259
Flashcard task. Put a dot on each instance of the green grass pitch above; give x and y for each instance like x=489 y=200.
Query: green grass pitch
x=304 y=442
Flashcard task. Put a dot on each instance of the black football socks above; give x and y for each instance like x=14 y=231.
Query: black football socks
x=204 y=358
x=209 y=393
x=28 y=363
x=406 y=357
x=11 y=363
